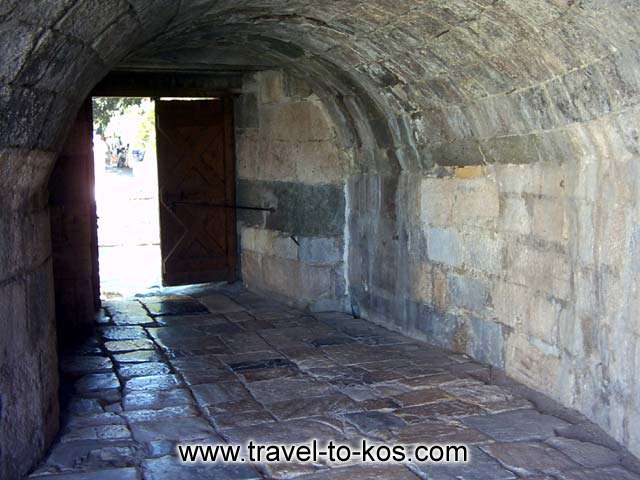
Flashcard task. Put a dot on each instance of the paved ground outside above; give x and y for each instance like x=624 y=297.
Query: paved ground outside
x=222 y=365
x=128 y=227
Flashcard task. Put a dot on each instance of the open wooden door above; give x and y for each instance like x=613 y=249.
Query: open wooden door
x=196 y=177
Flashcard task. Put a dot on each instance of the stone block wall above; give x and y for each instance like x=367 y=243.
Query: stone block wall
x=28 y=361
x=519 y=243
x=289 y=159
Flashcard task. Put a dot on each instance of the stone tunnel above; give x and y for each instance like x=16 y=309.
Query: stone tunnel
x=462 y=172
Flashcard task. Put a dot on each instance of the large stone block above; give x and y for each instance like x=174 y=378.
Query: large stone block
x=252 y=275
x=476 y=201
x=543 y=270
x=270 y=86
x=29 y=370
x=515 y=215
x=422 y=282
x=530 y=365
x=518 y=149
x=437 y=197
x=315 y=282
x=548 y=178
x=269 y=242
x=486 y=341
x=304 y=210
x=445 y=246
x=544 y=319
x=484 y=251
x=549 y=219
x=469 y=293
x=511 y=303
x=323 y=250
x=321 y=162
x=296 y=122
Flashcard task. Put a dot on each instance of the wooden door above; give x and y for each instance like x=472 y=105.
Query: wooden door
x=196 y=177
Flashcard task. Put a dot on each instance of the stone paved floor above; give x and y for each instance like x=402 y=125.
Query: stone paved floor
x=228 y=365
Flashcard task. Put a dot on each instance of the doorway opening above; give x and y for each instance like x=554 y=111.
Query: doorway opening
x=126 y=194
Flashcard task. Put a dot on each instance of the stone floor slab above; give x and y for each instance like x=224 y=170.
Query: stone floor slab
x=181 y=429
x=108 y=474
x=176 y=307
x=517 y=425
x=248 y=368
x=130 y=370
x=82 y=364
x=479 y=466
x=151 y=383
x=143 y=400
x=530 y=458
x=279 y=390
x=168 y=467
x=139 y=356
x=378 y=472
x=123 y=333
x=585 y=453
x=438 y=411
x=607 y=473
x=97 y=381
x=117 y=346
x=311 y=407
x=220 y=392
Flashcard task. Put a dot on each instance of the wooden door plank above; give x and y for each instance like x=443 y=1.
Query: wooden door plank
x=196 y=165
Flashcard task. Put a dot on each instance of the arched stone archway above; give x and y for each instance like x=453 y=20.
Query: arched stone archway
x=490 y=197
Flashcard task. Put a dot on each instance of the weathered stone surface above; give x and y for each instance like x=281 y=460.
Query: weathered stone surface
x=441 y=432
x=421 y=397
x=110 y=474
x=435 y=411
x=543 y=95
x=139 y=400
x=585 y=453
x=139 y=356
x=190 y=320
x=106 y=418
x=480 y=465
x=128 y=345
x=152 y=383
x=273 y=391
x=530 y=458
x=176 y=307
x=97 y=381
x=170 y=467
x=290 y=431
x=129 y=371
x=98 y=432
x=181 y=429
x=379 y=424
x=123 y=333
x=220 y=304
x=363 y=473
x=241 y=419
x=168 y=413
x=85 y=364
x=365 y=391
x=607 y=473
x=311 y=407
x=220 y=392
x=517 y=425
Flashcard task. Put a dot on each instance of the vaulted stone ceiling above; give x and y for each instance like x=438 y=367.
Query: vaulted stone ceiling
x=433 y=78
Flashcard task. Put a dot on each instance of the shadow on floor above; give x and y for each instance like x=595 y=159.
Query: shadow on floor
x=218 y=364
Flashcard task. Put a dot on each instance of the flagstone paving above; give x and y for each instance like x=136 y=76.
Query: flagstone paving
x=224 y=365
